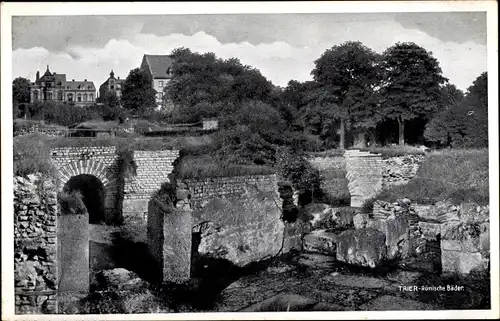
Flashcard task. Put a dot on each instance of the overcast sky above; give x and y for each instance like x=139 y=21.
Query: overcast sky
x=281 y=46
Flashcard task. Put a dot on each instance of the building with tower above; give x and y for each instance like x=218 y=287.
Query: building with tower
x=54 y=87
x=111 y=85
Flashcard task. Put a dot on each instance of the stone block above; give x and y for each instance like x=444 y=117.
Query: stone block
x=453 y=262
x=320 y=241
x=458 y=236
x=429 y=231
x=177 y=246
x=365 y=247
x=360 y=220
x=397 y=236
x=73 y=250
x=321 y=215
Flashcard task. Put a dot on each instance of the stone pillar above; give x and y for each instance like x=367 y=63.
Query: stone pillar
x=73 y=250
x=170 y=235
x=364 y=173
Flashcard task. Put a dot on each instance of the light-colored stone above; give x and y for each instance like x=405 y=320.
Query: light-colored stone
x=120 y=279
x=365 y=247
x=321 y=214
x=320 y=241
x=360 y=220
x=462 y=262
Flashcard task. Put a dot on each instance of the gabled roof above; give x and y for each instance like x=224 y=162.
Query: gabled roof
x=159 y=65
x=74 y=85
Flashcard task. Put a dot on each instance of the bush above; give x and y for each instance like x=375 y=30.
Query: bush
x=243 y=146
x=31 y=155
x=71 y=203
x=61 y=114
x=294 y=167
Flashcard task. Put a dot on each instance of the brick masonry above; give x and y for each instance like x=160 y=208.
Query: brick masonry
x=361 y=175
x=35 y=245
x=153 y=168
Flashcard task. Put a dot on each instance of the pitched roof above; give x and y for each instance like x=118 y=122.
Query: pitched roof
x=159 y=65
x=60 y=78
x=74 y=85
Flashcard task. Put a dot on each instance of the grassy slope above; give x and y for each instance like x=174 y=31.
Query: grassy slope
x=454 y=175
x=32 y=153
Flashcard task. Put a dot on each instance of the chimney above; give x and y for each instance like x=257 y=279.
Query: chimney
x=72 y=80
x=85 y=79
x=118 y=77
x=37 y=75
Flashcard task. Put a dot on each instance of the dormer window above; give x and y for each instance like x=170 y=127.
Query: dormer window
x=169 y=71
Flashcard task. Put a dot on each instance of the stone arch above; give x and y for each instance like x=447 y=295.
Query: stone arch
x=102 y=173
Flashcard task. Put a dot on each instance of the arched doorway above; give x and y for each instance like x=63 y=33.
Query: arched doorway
x=93 y=195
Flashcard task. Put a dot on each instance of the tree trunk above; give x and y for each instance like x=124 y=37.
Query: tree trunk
x=342 y=134
x=401 y=124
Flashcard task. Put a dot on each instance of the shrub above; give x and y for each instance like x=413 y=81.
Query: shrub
x=243 y=146
x=71 y=202
x=295 y=168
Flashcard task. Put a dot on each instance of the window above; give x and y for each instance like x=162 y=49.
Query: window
x=60 y=96
x=70 y=97
x=91 y=97
x=35 y=95
x=159 y=96
x=84 y=97
x=160 y=83
x=49 y=96
x=79 y=97
x=169 y=71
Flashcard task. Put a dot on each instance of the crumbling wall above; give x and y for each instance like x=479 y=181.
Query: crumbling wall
x=35 y=245
x=399 y=170
x=238 y=218
x=169 y=233
x=153 y=168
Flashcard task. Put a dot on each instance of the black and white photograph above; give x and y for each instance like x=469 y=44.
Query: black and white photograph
x=231 y=160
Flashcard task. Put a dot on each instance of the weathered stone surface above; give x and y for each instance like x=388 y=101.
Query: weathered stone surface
x=460 y=237
x=321 y=215
x=462 y=262
x=316 y=260
x=397 y=234
x=342 y=218
x=73 y=246
x=391 y=303
x=365 y=247
x=35 y=244
x=429 y=231
x=249 y=230
x=364 y=173
x=360 y=220
x=320 y=241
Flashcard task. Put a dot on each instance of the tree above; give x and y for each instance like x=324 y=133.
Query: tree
x=464 y=124
x=20 y=95
x=203 y=84
x=348 y=75
x=110 y=108
x=411 y=84
x=138 y=95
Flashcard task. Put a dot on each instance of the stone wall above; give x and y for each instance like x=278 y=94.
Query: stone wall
x=364 y=173
x=153 y=169
x=361 y=175
x=238 y=218
x=35 y=245
x=98 y=161
x=399 y=170
x=333 y=173
x=460 y=231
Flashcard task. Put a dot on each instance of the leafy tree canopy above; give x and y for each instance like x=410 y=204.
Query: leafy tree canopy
x=138 y=95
